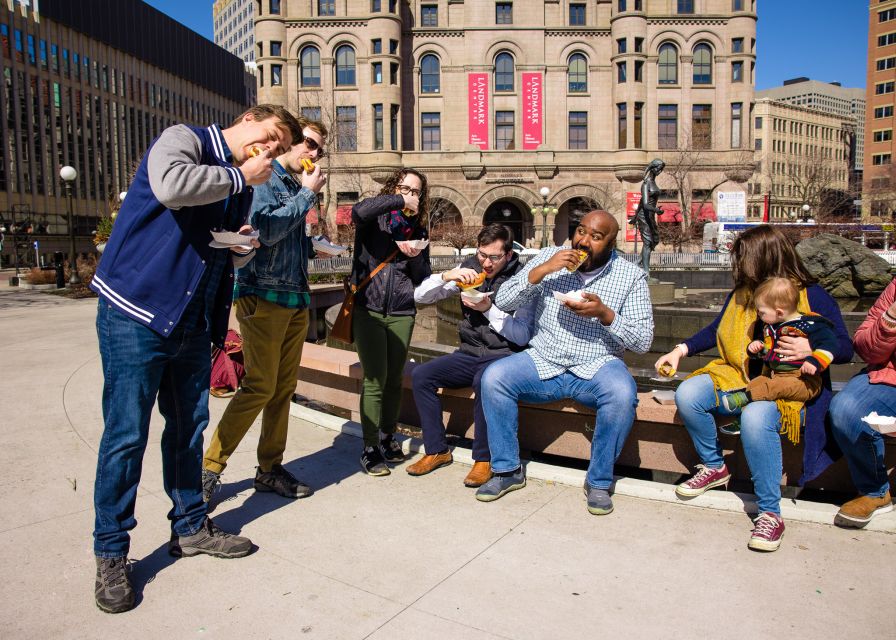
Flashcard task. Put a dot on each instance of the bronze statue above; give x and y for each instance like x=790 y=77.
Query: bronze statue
x=645 y=216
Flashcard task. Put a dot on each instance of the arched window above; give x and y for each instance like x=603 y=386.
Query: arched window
x=310 y=65
x=577 y=73
x=345 y=66
x=504 y=72
x=429 y=74
x=702 y=64
x=668 y=64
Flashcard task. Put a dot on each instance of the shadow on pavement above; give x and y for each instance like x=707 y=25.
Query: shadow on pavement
x=318 y=470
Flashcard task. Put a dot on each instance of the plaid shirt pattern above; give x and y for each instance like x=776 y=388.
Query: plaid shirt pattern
x=287 y=299
x=564 y=341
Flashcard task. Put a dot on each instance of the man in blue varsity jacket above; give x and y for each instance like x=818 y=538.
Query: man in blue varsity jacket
x=165 y=294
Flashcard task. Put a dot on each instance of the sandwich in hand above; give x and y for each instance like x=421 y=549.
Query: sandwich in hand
x=667 y=370
x=477 y=282
x=254 y=151
x=583 y=255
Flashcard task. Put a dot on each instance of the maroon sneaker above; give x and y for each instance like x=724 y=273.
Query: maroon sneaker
x=768 y=529
x=704 y=479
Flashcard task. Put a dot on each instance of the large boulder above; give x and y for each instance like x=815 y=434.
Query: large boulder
x=843 y=267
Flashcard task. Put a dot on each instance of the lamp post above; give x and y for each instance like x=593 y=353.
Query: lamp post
x=69 y=175
x=805 y=216
x=544 y=210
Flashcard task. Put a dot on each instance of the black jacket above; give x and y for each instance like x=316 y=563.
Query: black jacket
x=476 y=336
x=391 y=292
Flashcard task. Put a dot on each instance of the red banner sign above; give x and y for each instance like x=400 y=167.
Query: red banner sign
x=632 y=199
x=532 y=110
x=478 y=109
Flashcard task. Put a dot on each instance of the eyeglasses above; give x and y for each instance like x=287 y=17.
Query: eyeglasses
x=406 y=190
x=312 y=145
x=494 y=258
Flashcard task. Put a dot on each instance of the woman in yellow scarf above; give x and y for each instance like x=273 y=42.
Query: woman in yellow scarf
x=759 y=253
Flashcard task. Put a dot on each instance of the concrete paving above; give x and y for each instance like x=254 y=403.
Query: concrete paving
x=394 y=557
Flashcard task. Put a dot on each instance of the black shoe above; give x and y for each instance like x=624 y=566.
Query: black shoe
x=281 y=482
x=210 y=482
x=209 y=540
x=391 y=449
x=112 y=588
x=373 y=462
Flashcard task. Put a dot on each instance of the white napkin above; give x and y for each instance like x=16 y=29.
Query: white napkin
x=322 y=246
x=572 y=296
x=881 y=424
x=227 y=239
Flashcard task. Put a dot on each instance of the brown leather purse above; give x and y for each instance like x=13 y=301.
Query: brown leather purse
x=342 y=328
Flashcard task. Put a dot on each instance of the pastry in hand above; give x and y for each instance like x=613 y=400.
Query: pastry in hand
x=583 y=255
x=667 y=370
x=307 y=165
x=475 y=284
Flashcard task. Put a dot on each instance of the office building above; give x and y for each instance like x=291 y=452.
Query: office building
x=802 y=158
x=90 y=84
x=234 y=27
x=879 y=181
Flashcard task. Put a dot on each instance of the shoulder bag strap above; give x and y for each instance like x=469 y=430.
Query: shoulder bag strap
x=373 y=273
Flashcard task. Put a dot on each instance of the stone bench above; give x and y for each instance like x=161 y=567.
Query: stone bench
x=658 y=441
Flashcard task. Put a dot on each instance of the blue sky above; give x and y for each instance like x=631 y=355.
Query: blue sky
x=820 y=39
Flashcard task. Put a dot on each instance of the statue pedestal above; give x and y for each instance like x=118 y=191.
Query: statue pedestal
x=661 y=292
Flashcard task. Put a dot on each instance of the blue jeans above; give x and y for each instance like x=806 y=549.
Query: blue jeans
x=760 y=425
x=611 y=392
x=139 y=365
x=862 y=445
x=454 y=371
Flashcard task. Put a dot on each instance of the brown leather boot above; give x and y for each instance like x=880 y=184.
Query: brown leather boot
x=859 y=511
x=479 y=474
x=429 y=463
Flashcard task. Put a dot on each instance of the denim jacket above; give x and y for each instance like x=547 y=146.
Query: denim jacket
x=279 y=208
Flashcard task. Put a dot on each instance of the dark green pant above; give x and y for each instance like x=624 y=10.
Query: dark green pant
x=382 y=344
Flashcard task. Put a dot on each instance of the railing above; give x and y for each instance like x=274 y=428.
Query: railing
x=443 y=263
x=658 y=261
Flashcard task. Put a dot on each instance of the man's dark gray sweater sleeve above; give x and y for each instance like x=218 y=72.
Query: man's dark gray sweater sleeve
x=177 y=178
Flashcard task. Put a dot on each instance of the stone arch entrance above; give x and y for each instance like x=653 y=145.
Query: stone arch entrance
x=509 y=212
x=518 y=200
x=577 y=200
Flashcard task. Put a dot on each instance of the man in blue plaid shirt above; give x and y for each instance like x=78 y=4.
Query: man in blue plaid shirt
x=575 y=352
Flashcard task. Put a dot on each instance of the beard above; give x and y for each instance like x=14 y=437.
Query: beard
x=593 y=262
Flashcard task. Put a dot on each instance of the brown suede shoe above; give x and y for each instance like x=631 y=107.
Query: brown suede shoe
x=859 y=511
x=429 y=463
x=479 y=474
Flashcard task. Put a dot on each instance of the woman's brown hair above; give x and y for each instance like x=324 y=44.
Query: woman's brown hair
x=765 y=252
x=395 y=179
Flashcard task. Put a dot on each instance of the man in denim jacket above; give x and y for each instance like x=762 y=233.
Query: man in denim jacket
x=272 y=308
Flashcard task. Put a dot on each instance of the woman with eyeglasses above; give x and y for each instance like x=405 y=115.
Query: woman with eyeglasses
x=386 y=228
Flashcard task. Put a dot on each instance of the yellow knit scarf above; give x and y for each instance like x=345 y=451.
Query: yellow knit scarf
x=729 y=372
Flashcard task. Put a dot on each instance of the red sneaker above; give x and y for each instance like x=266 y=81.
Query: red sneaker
x=704 y=479
x=768 y=529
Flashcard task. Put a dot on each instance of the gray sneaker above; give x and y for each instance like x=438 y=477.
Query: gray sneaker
x=209 y=540
x=599 y=502
x=281 y=482
x=210 y=482
x=501 y=484
x=112 y=588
